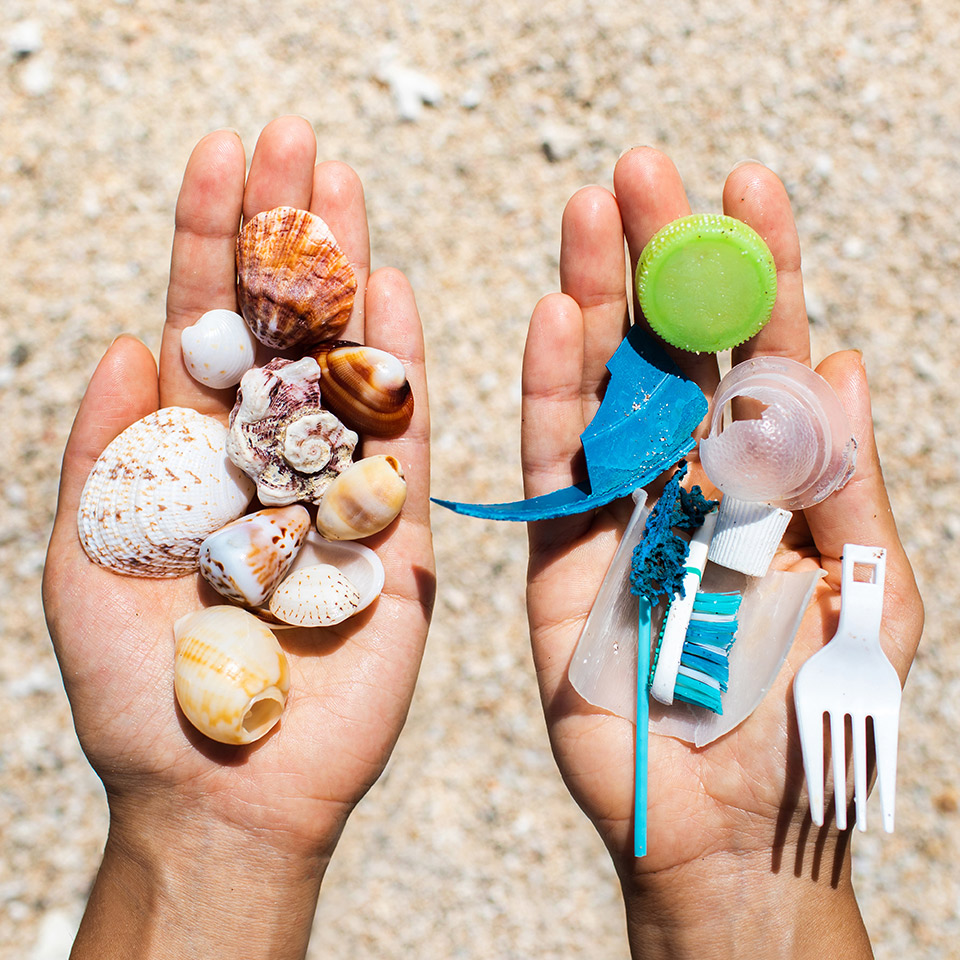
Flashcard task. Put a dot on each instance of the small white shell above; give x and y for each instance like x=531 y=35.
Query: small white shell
x=317 y=596
x=362 y=500
x=157 y=492
x=219 y=348
x=246 y=559
x=231 y=677
x=359 y=565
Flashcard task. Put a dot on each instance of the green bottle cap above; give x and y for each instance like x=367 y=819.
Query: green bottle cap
x=706 y=282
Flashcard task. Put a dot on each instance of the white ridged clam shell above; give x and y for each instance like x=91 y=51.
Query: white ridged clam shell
x=231 y=677
x=219 y=348
x=359 y=566
x=246 y=559
x=362 y=500
x=157 y=491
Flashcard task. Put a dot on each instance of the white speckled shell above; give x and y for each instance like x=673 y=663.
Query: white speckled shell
x=218 y=349
x=281 y=436
x=359 y=566
x=157 y=491
x=363 y=500
x=230 y=675
x=246 y=559
x=317 y=596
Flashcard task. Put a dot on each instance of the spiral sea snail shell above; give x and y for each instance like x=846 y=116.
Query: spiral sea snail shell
x=282 y=437
x=365 y=386
x=230 y=675
x=295 y=285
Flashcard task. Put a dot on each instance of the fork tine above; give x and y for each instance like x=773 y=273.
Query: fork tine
x=885 y=727
x=838 y=747
x=810 y=725
x=859 y=729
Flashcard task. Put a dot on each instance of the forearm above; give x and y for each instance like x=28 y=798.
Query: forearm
x=728 y=907
x=205 y=890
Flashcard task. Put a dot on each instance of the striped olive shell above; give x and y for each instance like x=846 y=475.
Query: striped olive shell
x=366 y=387
x=231 y=677
x=282 y=437
x=157 y=492
x=295 y=284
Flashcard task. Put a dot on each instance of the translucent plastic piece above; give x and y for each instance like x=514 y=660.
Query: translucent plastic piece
x=604 y=663
x=796 y=453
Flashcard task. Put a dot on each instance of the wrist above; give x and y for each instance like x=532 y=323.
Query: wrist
x=729 y=905
x=195 y=886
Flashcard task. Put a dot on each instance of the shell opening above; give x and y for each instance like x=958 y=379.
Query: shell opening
x=263 y=712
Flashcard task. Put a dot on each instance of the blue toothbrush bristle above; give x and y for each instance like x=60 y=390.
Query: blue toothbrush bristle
x=704 y=662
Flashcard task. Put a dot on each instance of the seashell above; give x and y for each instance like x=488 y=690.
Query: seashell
x=363 y=499
x=317 y=596
x=366 y=387
x=218 y=349
x=230 y=675
x=245 y=560
x=157 y=492
x=359 y=565
x=296 y=286
x=282 y=438
x=796 y=453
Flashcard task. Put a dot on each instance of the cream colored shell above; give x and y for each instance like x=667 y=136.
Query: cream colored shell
x=157 y=491
x=317 y=596
x=230 y=675
x=362 y=500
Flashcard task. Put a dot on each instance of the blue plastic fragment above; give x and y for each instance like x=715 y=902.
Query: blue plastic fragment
x=645 y=423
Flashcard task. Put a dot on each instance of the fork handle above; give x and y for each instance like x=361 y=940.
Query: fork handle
x=862 y=600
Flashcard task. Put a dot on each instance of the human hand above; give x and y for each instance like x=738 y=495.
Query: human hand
x=199 y=829
x=721 y=816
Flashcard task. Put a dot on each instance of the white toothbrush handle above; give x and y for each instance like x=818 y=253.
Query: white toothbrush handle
x=678 y=615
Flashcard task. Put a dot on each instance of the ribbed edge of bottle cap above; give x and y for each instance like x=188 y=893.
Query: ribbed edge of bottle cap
x=747 y=535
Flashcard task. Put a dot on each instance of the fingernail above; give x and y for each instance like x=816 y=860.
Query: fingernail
x=639 y=146
x=744 y=162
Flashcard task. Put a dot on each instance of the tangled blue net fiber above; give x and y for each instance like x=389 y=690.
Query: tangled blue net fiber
x=657 y=565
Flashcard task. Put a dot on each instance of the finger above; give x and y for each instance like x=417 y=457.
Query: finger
x=593 y=272
x=393 y=324
x=122 y=389
x=202 y=265
x=338 y=200
x=281 y=169
x=860 y=512
x=756 y=196
x=651 y=194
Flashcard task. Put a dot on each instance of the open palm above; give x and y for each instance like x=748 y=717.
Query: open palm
x=741 y=794
x=351 y=685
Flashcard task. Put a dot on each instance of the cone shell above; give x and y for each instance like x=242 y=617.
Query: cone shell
x=230 y=676
x=296 y=286
x=317 y=596
x=218 y=349
x=157 y=491
x=366 y=387
x=363 y=500
x=245 y=560
x=281 y=436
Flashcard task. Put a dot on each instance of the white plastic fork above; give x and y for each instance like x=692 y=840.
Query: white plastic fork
x=852 y=677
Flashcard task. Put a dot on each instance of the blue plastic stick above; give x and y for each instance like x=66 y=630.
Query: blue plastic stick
x=643 y=725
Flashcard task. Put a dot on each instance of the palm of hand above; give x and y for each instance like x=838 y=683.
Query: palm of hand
x=742 y=792
x=351 y=685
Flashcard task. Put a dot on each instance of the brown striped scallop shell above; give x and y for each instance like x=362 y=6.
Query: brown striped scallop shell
x=364 y=386
x=295 y=284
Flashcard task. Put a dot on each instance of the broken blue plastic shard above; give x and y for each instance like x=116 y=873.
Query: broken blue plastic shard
x=644 y=425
